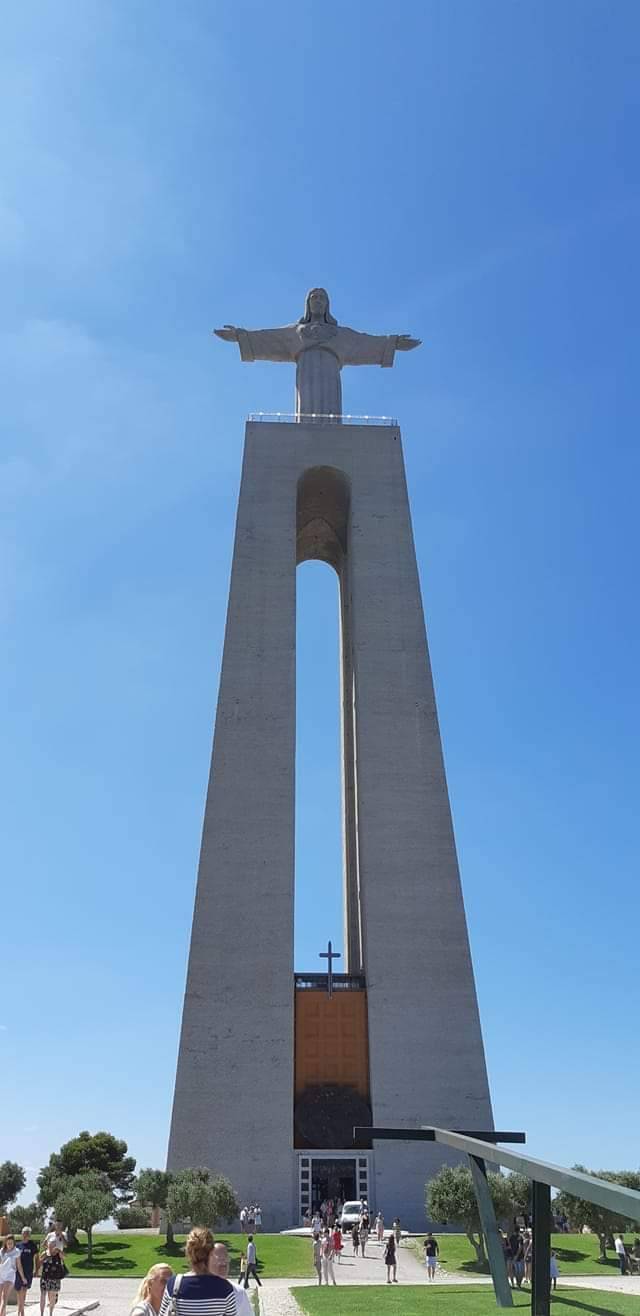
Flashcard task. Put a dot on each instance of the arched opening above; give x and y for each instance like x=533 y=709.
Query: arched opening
x=319 y=863
x=322 y=537
x=331 y=1068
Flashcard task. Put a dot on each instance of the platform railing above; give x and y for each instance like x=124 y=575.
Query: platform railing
x=341 y=982
x=318 y=418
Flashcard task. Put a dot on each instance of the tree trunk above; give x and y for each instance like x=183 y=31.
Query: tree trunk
x=169 y=1233
x=603 y=1240
x=89 y=1242
x=478 y=1246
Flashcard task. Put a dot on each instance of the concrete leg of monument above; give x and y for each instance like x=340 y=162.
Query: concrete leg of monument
x=489 y=1226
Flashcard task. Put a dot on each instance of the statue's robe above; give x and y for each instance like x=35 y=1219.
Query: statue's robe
x=319 y=351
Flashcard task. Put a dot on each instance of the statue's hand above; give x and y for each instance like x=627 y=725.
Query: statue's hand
x=229 y=333
x=404 y=343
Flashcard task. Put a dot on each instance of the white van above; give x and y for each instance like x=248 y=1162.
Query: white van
x=351 y=1212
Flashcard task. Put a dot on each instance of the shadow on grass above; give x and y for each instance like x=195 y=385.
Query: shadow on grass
x=572 y=1254
x=101 y=1260
x=470 y=1267
x=562 y=1301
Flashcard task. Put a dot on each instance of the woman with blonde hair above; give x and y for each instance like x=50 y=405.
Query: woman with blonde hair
x=198 y=1293
x=148 y=1299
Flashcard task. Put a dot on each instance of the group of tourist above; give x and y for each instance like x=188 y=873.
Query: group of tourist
x=328 y=1243
x=329 y=1210
x=205 y=1289
x=251 y=1219
x=518 y=1254
x=628 y=1258
x=22 y=1260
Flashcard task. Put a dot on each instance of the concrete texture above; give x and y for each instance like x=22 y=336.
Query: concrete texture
x=338 y=493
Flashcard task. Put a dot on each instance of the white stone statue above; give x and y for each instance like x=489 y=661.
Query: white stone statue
x=320 y=348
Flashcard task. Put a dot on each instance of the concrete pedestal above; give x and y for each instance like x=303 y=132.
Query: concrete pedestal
x=336 y=492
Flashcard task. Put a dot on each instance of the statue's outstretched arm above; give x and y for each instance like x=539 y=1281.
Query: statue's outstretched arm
x=373 y=349
x=261 y=344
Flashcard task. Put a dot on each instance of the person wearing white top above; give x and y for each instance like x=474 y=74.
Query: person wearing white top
x=57 y=1236
x=10 y=1263
x=219 y=1265
x=621 y=1253
x=251 y=1267
x=327 y=1258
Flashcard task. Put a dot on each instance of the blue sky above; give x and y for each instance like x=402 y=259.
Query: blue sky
x=468 y=173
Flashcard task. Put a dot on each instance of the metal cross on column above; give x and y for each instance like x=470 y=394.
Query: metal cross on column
x=330 y=955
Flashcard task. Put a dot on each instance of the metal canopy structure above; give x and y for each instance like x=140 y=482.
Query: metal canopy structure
x=480 y=1147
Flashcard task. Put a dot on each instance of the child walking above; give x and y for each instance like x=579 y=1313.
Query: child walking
x=553 y=1269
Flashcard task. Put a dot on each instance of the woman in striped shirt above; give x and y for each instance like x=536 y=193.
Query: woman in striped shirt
x=198 y=1293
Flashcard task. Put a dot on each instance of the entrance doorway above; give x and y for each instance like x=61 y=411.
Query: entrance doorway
x=324 y=1175
x=331 y=1180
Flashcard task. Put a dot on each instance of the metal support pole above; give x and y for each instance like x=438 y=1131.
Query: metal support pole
x=540 y=1273
x=489 y=1226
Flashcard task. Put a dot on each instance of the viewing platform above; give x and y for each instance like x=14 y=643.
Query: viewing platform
x=341 y=982
x=318 y=418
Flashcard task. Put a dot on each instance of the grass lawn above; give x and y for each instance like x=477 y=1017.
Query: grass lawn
x=128 y=1256
x=415 y=1300
x=577 y=1254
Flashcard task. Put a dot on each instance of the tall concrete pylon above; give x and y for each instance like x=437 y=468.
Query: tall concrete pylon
x=335 y=492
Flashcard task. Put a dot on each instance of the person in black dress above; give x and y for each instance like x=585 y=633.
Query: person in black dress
x=51 y=1277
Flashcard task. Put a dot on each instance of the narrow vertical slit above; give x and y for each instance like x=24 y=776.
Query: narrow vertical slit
x=319 y=861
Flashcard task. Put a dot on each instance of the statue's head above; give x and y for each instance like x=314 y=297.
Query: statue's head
x=317 y=305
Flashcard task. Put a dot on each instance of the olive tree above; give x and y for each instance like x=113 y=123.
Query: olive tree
x=450 y=1197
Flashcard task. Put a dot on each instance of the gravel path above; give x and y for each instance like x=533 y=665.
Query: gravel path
x=278 y=1302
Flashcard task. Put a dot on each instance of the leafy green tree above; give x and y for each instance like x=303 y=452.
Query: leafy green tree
x=101 y=1152
x=450 y=1198
x=227 y=1206
x=605 y=1224
x=195 y=1196
x=82 y=1201
x=132 y=1217
x=152 y=1187
x=12 y=1181
x=32 y=1215
x=520 y=1192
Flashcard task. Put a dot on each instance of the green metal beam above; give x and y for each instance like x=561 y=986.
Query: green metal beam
x=613 y=1197
x=489 y=1227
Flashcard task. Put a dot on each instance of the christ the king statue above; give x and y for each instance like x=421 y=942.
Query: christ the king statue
x=320 y=348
